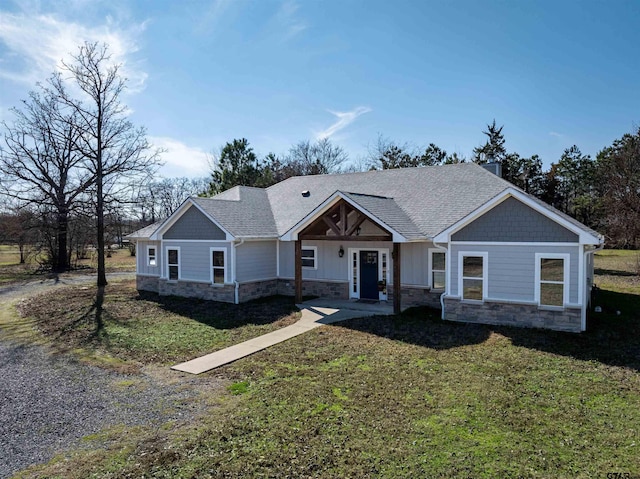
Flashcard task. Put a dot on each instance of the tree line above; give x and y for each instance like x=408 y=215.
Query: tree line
x=601 y=192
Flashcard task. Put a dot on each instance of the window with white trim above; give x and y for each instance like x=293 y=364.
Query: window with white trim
x=354 y=259
x=218 y=265
x=437 y=269
x=309 y=257
x=552 y=273
x=473 y=277
x=151 y=256
x=173 y=263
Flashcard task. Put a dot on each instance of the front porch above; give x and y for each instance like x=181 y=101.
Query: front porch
x=371 y=271
x=381 y=308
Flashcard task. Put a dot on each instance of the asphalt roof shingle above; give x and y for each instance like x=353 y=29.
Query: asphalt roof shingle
x=247 y=216
x=433 y=198
x=416 y=202
x=145 y=232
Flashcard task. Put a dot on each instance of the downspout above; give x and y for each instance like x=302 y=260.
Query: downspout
x=235 y=269
x=447 y=272
x=583 y=322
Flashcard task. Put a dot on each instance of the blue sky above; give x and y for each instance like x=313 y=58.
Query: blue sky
x=554 y=73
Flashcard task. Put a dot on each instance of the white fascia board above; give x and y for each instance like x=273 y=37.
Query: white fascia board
x=584 y=237
x=292 y=234
x=170 y=221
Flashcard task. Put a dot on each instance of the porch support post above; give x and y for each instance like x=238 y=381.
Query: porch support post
x=396 y=278
x=298 y=271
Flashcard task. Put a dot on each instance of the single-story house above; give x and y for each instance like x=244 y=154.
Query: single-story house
x=455 y=237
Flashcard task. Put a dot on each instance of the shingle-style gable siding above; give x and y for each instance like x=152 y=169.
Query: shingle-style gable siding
x=513 y=221
x=193 y=225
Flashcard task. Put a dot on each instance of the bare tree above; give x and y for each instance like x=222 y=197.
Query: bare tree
x=319 y=158
x=114 y=151
x=158 y=199
x=41 y=166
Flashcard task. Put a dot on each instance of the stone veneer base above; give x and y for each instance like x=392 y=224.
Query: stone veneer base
x=511 y=314
x=321 y=289
x=147 y=283
x=498 y=313
x=246 y=291
x=413 y=296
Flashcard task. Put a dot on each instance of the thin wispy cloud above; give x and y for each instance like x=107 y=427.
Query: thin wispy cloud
x=344 y=119
x=180 y=159
x=289 y=21
x=556 y=134
x=36 y=44
x=208 y=20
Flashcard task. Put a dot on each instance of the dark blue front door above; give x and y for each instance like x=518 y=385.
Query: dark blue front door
x=369 y=275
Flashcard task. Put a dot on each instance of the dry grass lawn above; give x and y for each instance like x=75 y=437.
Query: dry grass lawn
x=403 y=396
x=11 y=271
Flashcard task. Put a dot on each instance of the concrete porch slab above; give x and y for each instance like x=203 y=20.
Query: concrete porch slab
x=314 y=314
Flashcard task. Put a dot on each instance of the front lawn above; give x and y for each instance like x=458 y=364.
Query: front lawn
x=11 y=271
x=405 y=396
x=146 y=328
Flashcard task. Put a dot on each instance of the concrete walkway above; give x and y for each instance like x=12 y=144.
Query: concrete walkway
x=314 y=314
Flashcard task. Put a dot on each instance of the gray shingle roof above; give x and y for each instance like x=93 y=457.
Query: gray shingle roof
x=416 y=202
x=388 y=211
x=145 y=232
x=433 y=198
x=243 y=211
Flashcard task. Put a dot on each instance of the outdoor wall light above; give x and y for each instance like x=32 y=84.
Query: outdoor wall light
x=341 y=252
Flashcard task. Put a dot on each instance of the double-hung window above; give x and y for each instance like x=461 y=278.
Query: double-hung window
x=472 y=282
x=552 y=279
x=151 y=256
x=218 y=265
x=173 y=263
x=309 y=257
x=437 y=269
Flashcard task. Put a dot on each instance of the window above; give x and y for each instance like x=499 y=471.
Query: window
x=218 y=265
x=384 y=271
x=551 y=279
x=173 y=262
x=437 y=269
x=473 y=281
x=151 y=255
x=355 y=271
x=309 y=255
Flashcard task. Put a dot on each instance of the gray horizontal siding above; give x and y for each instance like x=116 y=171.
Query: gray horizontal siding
x=193 y=225
x=195 y=263
x=256 y=260
x=332 y=267
x=513 y=221
x=414 y=263
x=142 y=259
x=511 y=272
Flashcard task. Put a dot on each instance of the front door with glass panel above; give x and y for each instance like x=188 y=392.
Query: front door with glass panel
x=369 y=275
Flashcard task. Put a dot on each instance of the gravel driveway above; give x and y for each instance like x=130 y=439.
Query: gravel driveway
x=48 y=402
